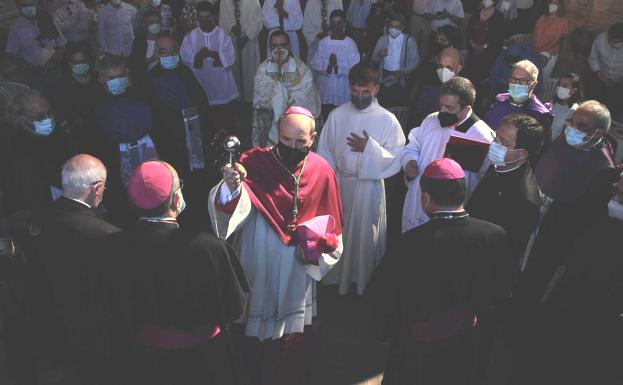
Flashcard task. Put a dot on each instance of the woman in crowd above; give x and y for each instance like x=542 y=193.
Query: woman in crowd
x=567 y=93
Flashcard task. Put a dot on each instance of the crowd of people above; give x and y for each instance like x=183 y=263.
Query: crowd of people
x=364 y=166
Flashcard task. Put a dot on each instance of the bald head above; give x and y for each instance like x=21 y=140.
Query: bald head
x=297 y=131
x=595 y=115
x=165 y=46
x=450 y=58
x=84 y=179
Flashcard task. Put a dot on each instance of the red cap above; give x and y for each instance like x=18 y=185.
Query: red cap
x=150 y=185
x=444 y=169
x=296 y=110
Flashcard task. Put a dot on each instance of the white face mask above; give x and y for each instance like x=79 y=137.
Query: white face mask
x=156 y=3
x=445 y=74
x=615 y=210
x=563 y=93
x=393 y=32
x=553 y=8
x=279 y=55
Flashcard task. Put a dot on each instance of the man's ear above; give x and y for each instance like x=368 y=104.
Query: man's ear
x=313 y=136
x=459 y=68
x=523 y=154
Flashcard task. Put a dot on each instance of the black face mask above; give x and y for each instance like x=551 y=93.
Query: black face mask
x=447 y=119
x=291 y=156
x=338 y=28
x=361 y=102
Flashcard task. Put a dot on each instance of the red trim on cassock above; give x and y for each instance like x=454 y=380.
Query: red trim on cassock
x=271 y=190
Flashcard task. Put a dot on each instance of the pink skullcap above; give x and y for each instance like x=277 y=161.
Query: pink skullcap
x=296 y=110
x=444 y=169
x=150 y=185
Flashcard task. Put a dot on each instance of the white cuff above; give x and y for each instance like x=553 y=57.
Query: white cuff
x=225 y=196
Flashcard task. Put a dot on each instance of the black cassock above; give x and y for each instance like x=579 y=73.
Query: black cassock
x=428 y=291
x=510 y=200
x=155 y=274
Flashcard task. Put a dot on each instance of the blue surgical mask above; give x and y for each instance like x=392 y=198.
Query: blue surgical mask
x=497 y=154
x=44 y=127
x=30 y=11
x=154 y=28
x=576 y=138
x=169 y=62
x=519 y=92
x=117 y=86
x=80 y=69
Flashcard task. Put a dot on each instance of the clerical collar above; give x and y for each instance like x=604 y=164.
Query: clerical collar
x=507 y=170
x=79 y=201
x=449 y=215
x=169 y=220
x=469 y=114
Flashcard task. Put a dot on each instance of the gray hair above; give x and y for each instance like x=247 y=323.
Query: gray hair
x=76 y=181
x=527 y=66
x=601 y=114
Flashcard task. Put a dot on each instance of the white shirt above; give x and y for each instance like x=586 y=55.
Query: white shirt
x=391 y=62
x=151 y=45
x=560 y=117
x=116 y=29
x=454 y=7
x=358 y=13
x=606 y=58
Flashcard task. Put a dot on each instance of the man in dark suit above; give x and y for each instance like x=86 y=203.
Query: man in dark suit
x=70 y=233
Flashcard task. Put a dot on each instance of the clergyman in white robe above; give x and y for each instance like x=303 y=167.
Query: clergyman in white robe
x=333 y=88
x=291 y=24
x=217 y=82
x=247 y=56
x=360 y=177
x=277 y=88
x=428 y=143
x=313 y=22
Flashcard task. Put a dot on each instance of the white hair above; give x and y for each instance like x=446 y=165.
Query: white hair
x=529 y=67
x=77 y=181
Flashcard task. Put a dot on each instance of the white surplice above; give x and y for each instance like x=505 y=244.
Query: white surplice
x=426 y=144
x=333 y=88
x=283 y=290
x=312 y=22
x=360 y=177
x=276 y=91
x=218 y=83
x=291 y=24
x=358 y=12
x=248 y=56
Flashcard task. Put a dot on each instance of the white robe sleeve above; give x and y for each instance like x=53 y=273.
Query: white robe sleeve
x=227 y=52
x=251 y=19
x=412 y=150
x=225 y=224
x=320 y=61
x=269 y=14
x=346 y=60
x=326 y=143
x=381 y=157
x=187 y=51
x=294 y=21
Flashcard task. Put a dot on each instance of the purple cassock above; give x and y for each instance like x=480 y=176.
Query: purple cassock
x=565 y=173
x=503 y=107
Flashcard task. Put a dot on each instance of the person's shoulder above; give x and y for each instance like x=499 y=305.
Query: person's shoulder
x=319 y=162
x=254 y=154
x=484 y=228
